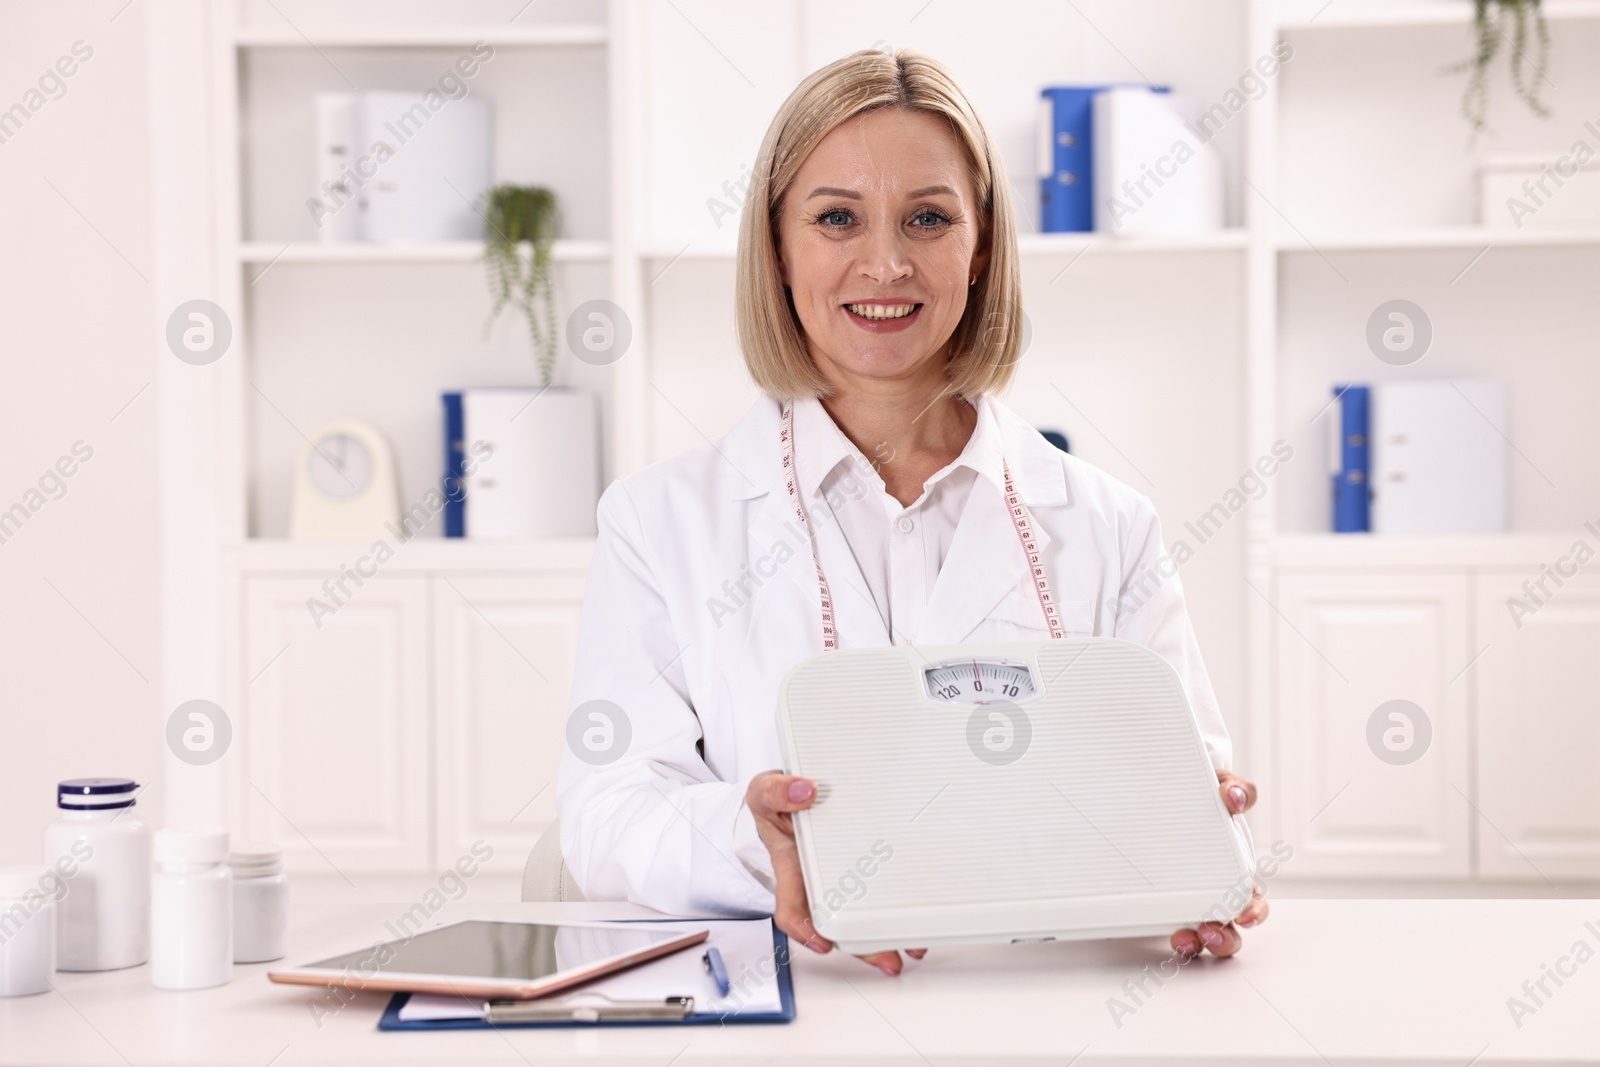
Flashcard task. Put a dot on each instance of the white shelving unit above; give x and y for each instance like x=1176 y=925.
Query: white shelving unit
x=1173 y=363
x=449 y=666
x=423 y=36
x=1431 y=237
x=1365 y=195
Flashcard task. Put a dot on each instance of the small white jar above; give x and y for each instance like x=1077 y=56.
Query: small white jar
x=27 y=929
x=101 y=850
x=191 y=909
x=260 y=903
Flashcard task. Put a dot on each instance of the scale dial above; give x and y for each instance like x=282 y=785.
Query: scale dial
x=978 y=681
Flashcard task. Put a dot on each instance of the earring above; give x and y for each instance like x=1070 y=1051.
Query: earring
x=972 y=280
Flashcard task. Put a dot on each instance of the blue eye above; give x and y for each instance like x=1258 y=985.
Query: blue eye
x=838 y=218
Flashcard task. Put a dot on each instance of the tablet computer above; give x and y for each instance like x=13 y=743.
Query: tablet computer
x=493 y=960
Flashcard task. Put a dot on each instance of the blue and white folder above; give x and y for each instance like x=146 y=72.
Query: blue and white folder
x=1439 y=457
x=1349 y=459
x=1066 y=157
x=675 y=990
x=1066 y=171
x=455 y=478
x=514 y=471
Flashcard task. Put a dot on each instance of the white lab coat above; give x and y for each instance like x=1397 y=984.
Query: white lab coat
x=702 y=596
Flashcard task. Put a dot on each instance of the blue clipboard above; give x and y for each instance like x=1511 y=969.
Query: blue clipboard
x=780 y=953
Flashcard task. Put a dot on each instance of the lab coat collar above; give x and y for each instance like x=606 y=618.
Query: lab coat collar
x=779 y=541
x=752 y=461
x=1037 y=469
x=820 y=446
x=984 y=564
x=754 y=465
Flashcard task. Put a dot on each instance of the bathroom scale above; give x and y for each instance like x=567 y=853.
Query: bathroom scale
x=1026 y=791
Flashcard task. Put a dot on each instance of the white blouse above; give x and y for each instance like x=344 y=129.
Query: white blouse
x=899 y=549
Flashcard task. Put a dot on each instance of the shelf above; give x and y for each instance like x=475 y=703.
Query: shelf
x=688 y=250
x=1066 y=244
x=1426 y=237
x=1454 y=551
x=400 y=251
x=1031 y=244
x=1299 y=15
x=421 y=555
x=577 y=33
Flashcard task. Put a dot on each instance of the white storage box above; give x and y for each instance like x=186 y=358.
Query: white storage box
x=1547 y=191
x=542 y=478
x=1438 y=457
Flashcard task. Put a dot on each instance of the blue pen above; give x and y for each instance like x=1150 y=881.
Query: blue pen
x=719 y=973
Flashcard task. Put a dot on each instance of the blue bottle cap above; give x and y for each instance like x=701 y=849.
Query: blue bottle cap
x=96 y=794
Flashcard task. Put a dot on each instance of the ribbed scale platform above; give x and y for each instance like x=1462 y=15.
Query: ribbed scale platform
x=1112 y=803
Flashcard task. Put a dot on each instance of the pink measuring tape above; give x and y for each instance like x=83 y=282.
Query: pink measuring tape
x=1019 y=522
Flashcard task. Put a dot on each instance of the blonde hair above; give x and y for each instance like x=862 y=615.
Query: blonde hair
x=987 y=341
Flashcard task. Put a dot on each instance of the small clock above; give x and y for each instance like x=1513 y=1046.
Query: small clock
x=344 y=484
x=340 y=465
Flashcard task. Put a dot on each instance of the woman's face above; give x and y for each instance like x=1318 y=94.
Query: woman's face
x=877 y=239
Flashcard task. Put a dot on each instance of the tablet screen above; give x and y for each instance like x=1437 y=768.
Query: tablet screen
x=513 y=950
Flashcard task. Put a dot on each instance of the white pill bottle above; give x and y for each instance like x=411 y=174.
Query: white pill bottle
x=191 y=909
x=100 y=849
x=260 y=903
x=27 y=929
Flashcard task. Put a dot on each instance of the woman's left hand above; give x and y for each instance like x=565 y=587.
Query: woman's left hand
x=1223 y=939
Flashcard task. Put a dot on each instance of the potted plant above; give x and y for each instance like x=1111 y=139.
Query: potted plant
x=1489 y=26
x=513 y=214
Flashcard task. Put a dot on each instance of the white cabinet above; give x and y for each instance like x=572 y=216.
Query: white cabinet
x=335 y=724
x=1520 y=802
x=423 y=715
x=1538 y=728
x=1346 y=644
x=504 y=650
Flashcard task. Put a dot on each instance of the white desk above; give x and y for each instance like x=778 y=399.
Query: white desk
x=1323 y=982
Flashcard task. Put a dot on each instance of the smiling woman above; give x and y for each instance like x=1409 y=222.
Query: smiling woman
x=952 y=238
x=879 y=490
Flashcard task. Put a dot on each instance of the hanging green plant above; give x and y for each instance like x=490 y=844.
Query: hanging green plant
x=1489 y=26
x=514 y=214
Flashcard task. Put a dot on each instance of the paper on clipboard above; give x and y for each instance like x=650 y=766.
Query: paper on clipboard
x=746 y=947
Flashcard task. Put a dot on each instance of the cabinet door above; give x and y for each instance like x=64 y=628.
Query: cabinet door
x=1538 y=692
x=1347 y=643
x=506 y=648
x=336 y=725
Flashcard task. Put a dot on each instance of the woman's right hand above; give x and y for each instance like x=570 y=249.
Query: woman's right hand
x=772 y=798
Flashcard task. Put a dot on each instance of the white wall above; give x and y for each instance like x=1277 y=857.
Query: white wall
x=78 y=637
